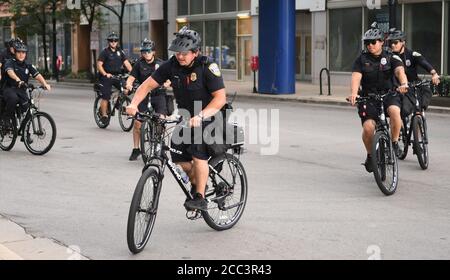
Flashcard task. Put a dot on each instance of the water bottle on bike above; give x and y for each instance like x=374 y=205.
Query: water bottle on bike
x=184 y=176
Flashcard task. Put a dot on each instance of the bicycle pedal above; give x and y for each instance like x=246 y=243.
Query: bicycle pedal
x=193 y=215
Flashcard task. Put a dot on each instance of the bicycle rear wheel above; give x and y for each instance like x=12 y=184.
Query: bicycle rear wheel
x=125 y=123
x=39 y=134
x=8 y=135
x=97 y=113
x=384 y=162
x=420 y=141
x=403 y=141
x=228 y=195
x=143 y=209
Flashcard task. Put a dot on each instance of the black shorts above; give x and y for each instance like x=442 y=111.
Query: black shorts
x=106 y=85
x=189 y=148
x=369 y=110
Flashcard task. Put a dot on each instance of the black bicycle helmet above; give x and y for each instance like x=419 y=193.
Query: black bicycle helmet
x=20 y=46
x=185 y=40
x=147 y=45
x=374 y=33
x=395 y=34
x=10 y=42
x=112 y=36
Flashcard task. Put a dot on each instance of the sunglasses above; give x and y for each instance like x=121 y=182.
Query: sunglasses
x=395 y=42
x=182 y=53
x=113 y=41
x=146 y=52
x=370 y=42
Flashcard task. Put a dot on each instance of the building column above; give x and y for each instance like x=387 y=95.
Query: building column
x=277 y=46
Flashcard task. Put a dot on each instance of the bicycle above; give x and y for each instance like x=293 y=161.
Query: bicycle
x=414 y=129
x=384 y=161
x=226 y=190
x=117 y=102
x=34 y=127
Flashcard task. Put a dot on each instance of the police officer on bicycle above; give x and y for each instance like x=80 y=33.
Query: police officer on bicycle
x=109 y=63
x=198 y=88
x=411 y=59
x=6 y=54
x=18 y=72
x=374 y=70
x=143 y=69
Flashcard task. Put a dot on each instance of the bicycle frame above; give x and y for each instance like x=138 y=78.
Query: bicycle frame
x=418 y=112
x=161 y=161
x=22 y=118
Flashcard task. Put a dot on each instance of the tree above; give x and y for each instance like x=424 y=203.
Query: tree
x=118 y=14
x=21 y=8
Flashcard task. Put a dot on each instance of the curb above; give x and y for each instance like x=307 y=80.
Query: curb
x=306 y=100
x=8 y=255
x=17 y=244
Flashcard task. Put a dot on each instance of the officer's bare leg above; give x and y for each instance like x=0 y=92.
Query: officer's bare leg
x=104 y=107
x=137 y=134
x=367 y=135
x=395 y=121
x=201 y=172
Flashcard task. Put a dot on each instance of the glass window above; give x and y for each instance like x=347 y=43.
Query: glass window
x=196 y=7
x=245 y=26
x=423 y=31
x=182 y=7
x=197 y=26
x=381 y=16
x=244 y=5
x=345 y=38
x=228 y=49
x=212 y=6
x=212 y=44
x=228 y=5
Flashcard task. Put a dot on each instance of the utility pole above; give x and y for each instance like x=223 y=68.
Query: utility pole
x=393 y=14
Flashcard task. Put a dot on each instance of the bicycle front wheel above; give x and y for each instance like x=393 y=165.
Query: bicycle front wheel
x=39 y=134
x=384 y=162
x=143 y=209
x=228 y=195
x=420 y=141
x=125 y=122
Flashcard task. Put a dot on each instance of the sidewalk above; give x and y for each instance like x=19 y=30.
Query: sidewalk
x=305 y=93
x=16 y=244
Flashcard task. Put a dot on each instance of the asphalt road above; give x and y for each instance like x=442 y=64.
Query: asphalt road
x=309 y=196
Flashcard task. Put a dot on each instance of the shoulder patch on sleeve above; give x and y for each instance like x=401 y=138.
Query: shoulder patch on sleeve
x=214 y=68
x=416 y=54
x=397 y=57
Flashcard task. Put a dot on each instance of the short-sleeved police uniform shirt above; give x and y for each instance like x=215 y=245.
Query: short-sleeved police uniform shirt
x=23 y=71
x=377 y=71
x=142 y=70
x=411 y=60
x=191 y=84
x=112 y=61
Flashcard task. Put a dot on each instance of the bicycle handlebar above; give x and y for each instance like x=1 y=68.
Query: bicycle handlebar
x=420 y=83
x=157 y=117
